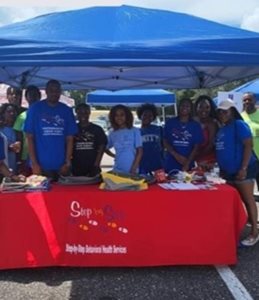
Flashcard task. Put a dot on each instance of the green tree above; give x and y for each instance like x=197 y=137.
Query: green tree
x=78 y=96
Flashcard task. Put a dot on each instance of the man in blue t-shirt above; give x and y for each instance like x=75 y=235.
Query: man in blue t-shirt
x=50 y=126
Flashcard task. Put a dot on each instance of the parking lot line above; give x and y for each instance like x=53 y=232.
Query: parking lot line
x=235 y=286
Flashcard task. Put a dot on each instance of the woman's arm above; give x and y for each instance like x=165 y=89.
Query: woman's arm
x=180 y=158
x=7 y=173
x=108 y=152
x=248 y=148
x=4 y=169
x=190 y=158
x=137 y=159
x=99 y=156
x=19 y=139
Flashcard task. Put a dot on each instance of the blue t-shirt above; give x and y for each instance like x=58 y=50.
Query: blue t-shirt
x=229 y=146
x=2 y=152
x=125 y=142
x=50 y=126
x=152 y=158
x=182 y=137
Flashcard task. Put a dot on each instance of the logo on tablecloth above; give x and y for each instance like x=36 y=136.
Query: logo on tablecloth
x=104 y=218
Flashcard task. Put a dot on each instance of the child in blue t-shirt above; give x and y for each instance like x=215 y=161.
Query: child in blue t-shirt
x=125 y=139
x=152 y=135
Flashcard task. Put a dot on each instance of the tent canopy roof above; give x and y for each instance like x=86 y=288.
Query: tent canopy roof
x=125 y=47
x=131 y=97
x=120 y=24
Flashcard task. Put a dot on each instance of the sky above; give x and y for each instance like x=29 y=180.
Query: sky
x=238 y=13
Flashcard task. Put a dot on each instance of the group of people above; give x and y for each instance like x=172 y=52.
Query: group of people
x=47 y=140
x=12 y=140
x=202 y=135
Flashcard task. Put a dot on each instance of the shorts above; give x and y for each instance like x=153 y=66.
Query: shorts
x=251 y=173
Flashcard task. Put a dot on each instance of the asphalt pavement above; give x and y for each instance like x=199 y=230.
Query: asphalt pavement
x=174 y=282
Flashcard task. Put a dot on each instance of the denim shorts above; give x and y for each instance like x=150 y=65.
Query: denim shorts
x=251 y=174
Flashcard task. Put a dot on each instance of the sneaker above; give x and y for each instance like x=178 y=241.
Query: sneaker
x=250 y=241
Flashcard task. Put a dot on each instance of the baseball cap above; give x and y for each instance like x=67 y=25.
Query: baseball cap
x=226 y=104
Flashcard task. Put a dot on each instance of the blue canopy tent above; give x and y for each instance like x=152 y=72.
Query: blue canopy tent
x=159 y=97
x=125 y=47
x=132 y=97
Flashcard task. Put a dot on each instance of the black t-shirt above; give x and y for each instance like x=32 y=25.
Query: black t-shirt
x=85 y=149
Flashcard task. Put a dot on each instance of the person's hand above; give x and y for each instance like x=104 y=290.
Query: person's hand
x=241 y=175
x=18 y=178
x=181 y=159
x=65 y=169
x=186 y=166
x=15 y=147
x=133 y=171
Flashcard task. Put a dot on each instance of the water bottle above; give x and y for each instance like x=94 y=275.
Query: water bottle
x=216 y=170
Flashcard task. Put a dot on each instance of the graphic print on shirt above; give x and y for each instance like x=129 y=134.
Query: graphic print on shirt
x=181 y=138
x=84 y=141
x=52 y=125
x=220 y=145
x=150 y=138
x=124 y=142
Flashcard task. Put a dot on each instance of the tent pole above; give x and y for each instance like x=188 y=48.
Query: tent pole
x=163 y=113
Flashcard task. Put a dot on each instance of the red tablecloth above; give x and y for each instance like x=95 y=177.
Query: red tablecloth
x=84 y=226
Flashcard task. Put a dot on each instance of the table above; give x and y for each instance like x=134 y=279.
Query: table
x=84 y=226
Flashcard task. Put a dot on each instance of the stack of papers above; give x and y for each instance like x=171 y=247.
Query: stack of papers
x=37 y=183
x=12 y=187
x=32 y=183
x=79 y=180
x=214 y=180
x=179 y=186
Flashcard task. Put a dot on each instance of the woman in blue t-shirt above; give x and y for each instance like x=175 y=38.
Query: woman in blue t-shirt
x=4 y=170
x=152 y=139
x=237 y=162
x=182 y=136
x=14 y=138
